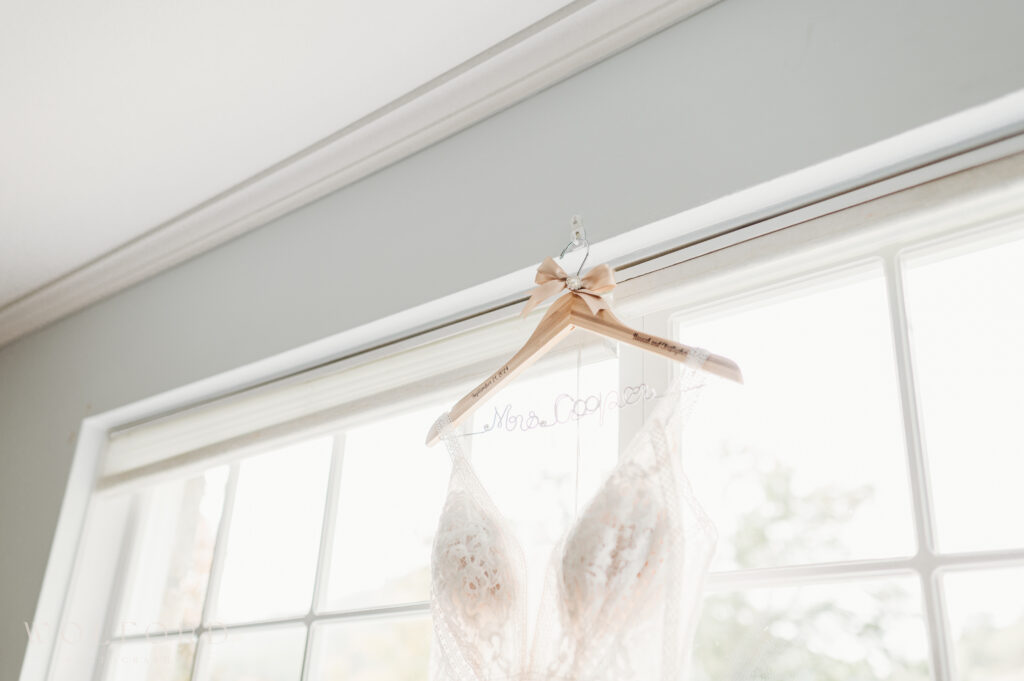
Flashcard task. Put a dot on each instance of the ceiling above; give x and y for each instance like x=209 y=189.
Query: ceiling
x=123 y=121
x=118 y=116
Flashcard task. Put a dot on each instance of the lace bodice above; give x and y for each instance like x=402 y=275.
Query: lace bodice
x=622 y=587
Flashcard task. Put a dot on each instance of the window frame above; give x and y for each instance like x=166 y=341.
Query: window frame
x=793 y=246
x=888 y=244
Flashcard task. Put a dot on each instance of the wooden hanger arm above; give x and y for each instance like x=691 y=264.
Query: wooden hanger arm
x=554 y=326
x=605 y=323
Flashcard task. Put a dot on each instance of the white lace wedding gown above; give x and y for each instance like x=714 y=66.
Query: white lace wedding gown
x=623 y=586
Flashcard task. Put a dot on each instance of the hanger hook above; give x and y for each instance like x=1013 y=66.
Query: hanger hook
x=579 y=237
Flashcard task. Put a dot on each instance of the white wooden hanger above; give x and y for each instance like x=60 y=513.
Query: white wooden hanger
x=580 y=308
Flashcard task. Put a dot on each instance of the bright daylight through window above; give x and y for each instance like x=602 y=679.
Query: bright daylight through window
x=862 y=482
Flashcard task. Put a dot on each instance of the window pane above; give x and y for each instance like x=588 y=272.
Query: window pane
x=986 y=614
x=170 y=562
x=967 y=331
x=392 y=488
x=156 y=660
x=871 y=629
x=252 y=655
x=805 y=462
x=274 y=535
x=368 y=650
x=391 y=477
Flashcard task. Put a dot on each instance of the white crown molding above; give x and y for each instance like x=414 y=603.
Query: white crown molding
x=564 y=43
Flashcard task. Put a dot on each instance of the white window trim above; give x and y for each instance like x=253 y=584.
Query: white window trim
x=987 y=185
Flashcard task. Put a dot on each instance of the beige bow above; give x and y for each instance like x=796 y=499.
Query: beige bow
x=552 y=279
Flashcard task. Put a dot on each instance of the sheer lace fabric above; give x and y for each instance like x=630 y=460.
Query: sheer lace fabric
x=622 y=587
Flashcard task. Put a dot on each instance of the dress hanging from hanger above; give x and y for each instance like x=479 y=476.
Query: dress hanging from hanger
x=622 y=588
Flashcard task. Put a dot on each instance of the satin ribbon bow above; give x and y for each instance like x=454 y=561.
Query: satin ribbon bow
x=552 y=279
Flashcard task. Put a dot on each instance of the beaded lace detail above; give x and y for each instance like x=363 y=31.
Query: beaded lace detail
x=622 y=587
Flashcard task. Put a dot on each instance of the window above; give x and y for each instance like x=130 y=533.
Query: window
x=864 y=481
x=866 y=478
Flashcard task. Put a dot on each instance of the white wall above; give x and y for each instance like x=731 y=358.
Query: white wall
x=739 y=94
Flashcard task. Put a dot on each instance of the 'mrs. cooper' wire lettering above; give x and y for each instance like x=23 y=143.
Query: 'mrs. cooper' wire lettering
x=566 y=409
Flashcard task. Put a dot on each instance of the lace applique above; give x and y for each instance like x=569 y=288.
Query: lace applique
x=477 y=575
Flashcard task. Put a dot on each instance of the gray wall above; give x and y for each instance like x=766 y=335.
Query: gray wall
x=739 y=94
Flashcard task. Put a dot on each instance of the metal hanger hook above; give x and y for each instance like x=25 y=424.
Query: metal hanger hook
x=579 y=237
